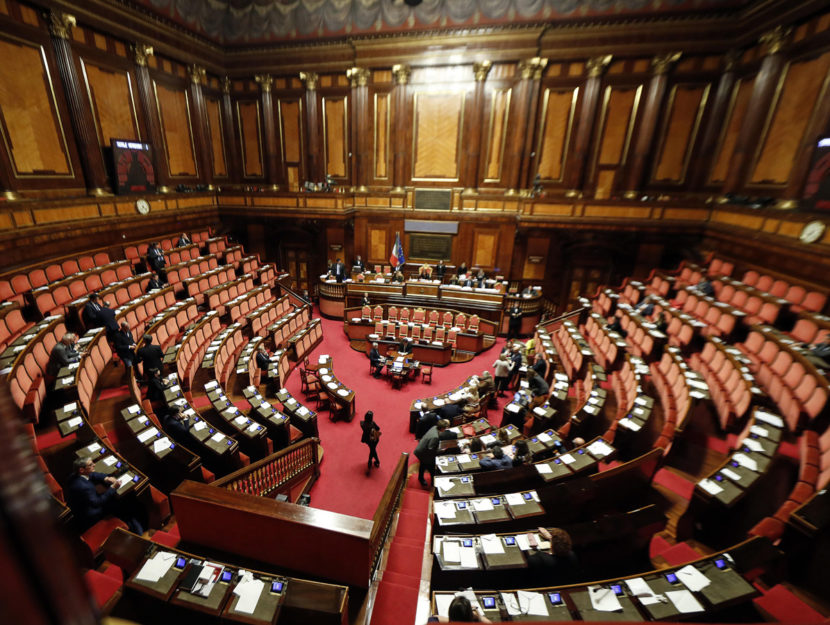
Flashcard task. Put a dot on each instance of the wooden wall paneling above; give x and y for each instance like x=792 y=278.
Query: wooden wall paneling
x=536 y=258
x=336 y=136
x=231 y=133
x=216 y=136
x=201 y=134
x=529 y=158
x=485 y=249
x=336 y=244
x=617 y=117
x=382 y=155
x=518 y=120
x=362 y=153
x=496 y=135
x=269 y=145
x=173 y=107
x=555 y=128
x=80 y=115
x=250 y=138
x=291 y=140
x=142 y=56
x=763 y=93
x=801 y=85
x=438 y=121
x=111 y=97
x=379 y=245
x=402 y=113
x=34 y=129
x=732 y=121
x=682 y=117
x=313 y=137
x=472 y=145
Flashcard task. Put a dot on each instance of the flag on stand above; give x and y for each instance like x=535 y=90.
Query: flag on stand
x=397 y=258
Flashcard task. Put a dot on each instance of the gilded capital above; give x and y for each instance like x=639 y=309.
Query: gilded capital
x=662 y=63
x=775 y=39
x=358 y=76
x=140 y=53
x=225 y=84
x=532 y=68
x=597 y=65
x=264 y=81
x=481 y=69
x=310 y=79
x=197 y=74
x=60 y=24
x=401 y=74
x=730 y=60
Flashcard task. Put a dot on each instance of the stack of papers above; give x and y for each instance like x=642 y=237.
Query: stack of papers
x=156 y=567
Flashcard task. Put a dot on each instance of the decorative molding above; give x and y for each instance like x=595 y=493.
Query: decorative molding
x=310 y=79
x=140 y=53
x=532 y=68
x=401 y=74
x=358 y=76
x=662 y=63
x=775 y=39
x=60 y=24
x=264 y=81
x=481 y=69
x=197 y=74
x=597 y=65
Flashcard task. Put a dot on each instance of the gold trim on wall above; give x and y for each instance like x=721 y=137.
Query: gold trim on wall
x=55 y=111
x=490 y=125
x=345 y=99
x=164 y=133
x=543 y=127
x=258 y=139
x=460 y=133
x=388 y=98
x=704 y=99
x=98 y=131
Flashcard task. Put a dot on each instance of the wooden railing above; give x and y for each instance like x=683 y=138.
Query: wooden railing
x=278 y=473
x=387 y=506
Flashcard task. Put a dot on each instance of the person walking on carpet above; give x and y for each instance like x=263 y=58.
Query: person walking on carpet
x=370 y=437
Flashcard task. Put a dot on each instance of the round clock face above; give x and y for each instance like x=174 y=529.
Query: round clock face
x=812 y=232
x=142 y=206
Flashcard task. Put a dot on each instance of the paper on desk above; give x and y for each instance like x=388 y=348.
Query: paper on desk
x=75 y=421
x=240 y=420
x=641 y=401
x=745 y=461
x=451 y=551
x=692 y=579
x=567 y=458
x=752 y=444
x=631 y=425
x=511 y=603
x=199 y=426
x=302 y=410
x=444 y=509
x=180 y=402
x=491 y=544
x=684 y=601
x=67 y=380
x=110 y=460
x=342 y=392
x=543 y=468
x=482 y=505
x=487 y=439
x=512 y=407
x=156 y=567
x=124 y=479
x=442 y=604
x=463 y=457
x=468 y=557
x=523 y=541
x=758 y=430
x=160 y=444
x=93 y=448
x=603 y=599
x=444 y=484
x=532 y=603
x=709 y=486
x=218 y=437
x=515 y=499
x=731 y=474
x=768 y=417
x=249 y=590
x=147 y=434
x=600 y=448
x=640 y=589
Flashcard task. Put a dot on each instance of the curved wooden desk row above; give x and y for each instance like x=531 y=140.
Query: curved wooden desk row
x=301 y=417
x=288 y=324
x=166 y=326
x=260 y=318
x=159 y=577
x=111 y=463
x=251 y=435
x=221 y=348
x=692 y=591
x=426 y=404
x=305 y=340
x=606 y=544
x=338 y=393
x=564 y=465
x=248 y=372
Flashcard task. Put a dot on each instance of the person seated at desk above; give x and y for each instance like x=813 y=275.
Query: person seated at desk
x=461 y=270
x=149 y=354
x=451 y=411
x=486 y=383
x=558 y=561
x=471 y=446
x=125 y=345
x=263 y=360
x=460 y=611
x=405 y=347
x=498 y=461
x=358 y=265
x=91 y=496
x=425 y=271
x=155 y=258
x=645 y=306
x=528 y=291
x=540 y=365
x=440 y=270
x=183 y=240
x=539 y=389
x=376 y=360
x=156 y=387
x=480 y=278
x=616 y=326
x=154 y=284
x=91 y=314
x=176 y=424
x=398 y=276
x=63 y=354
x=521 y=455
x=705 y=287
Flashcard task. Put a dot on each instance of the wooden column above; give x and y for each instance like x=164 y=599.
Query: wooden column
x=519 y=113
x=473 y=150
x=147 y=99
x=200 y=125
x=717 y=117
x=576 y=164
x=361 y=152
x=763 y=92
x=7 y=181
x=315 y=169
x=83 y=124
x=269 y=129
x=400 y=119
x=231 y=142
x=530 y=138
x=655 y=95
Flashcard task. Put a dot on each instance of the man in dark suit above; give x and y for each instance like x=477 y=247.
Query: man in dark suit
x=451 y=411
x=427 y=449
x=262 y=358
x=89 y=315
x=440 y=270
x=514 y=326
x=175 y=424
x=149 y=354
x=156 y=386
x=154 y=284
x=405 y=346
x=125 y=345
x=91 y=497
x=155 y=258
x=106 y=319
x=540 y=366
x=376 y=360
x=338 y=270
x=358 y=264
x=63 y=354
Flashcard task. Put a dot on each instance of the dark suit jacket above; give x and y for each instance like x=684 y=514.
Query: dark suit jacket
x=88 y=506
x=427 y=448
x=439 y=271
x=367 y=427
x=338 y=270
x=262 y=360
x=151 y=356
x=405 y=347
x=176 y=428
x=374 y=357
x=90 y=315
x=124 y=342
x=540 y=367
x=155 y=389
x=106 y=316
x=61 y=356
x=450 y=411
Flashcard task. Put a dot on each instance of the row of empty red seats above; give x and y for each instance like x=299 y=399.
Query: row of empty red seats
x=53 y=298
x=606 y=348
x=12 y=323
x=625 y=381
x=219 y=296
x=200 y=281
x=233 y=256
x=720 y=317
x=14 y=287
x=810 y=329
x=27 y=378
x=571 y=348
x=93 y=361
x=165 y=329
x=260 y=318
x=193 y=346
x=224 y=348
x=668 y=377
x=286 y=326
x=605 y=303
x=419 y=315
x=640 y=336
x=239 y=307
x=731 y=393
x=801 y=298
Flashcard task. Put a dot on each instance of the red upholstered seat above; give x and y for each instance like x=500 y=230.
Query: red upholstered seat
x=103 y=587
x=95 y=536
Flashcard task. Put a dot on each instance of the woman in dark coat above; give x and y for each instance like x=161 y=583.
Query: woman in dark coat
x=370 y=437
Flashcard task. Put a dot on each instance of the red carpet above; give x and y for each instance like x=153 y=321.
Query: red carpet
x=343 y=485
x=674 y=483
x=116 y=392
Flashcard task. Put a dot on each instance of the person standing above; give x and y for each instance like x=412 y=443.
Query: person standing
x=514 y=326
x=501 y=368
x=338 y=270
x=427 y=449
x=440 y=270
x=370 y=437
x=125 y=345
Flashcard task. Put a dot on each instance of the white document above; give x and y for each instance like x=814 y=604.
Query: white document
x=463 y=457
x=302 y=410
x=692 y=579
x=322 y=370
x=532 y=603
x=482 y=505
x=684 y=601
x=110 y=460
x=745 y=461
x=512 y=407
x=491 y=544
x=444 y=484
x=156 y=567
x=710 y=486
x=452 y=551
x=603 y=599
x=543 y=468
x=199 y=426
x=249 y=591
x=67 y=380
x=752 y=444
x=641 y=401
x=515 y=499
x=240 y=420
x=326 y=378
x=147 y=434
x=75 y=421
x=442 y=604
x=444 y=509
x=640 y=589
x=134 y=409
x=759 y=431
x=93 y=448
x=180 y=402
x=600 y=448
x=511 y=603
x=252 y=428
x=769 y=418
x=332 y=385
x=161 y=444
x=731 y=474
x=523 y=541
x=468 y=558
x=539 y=411
x=342 y=392
x=124 y=479
x=487 y=439
x=567 y=458
x=212 y=384
x=218 y=437
x=544 y=437
x=631 y=425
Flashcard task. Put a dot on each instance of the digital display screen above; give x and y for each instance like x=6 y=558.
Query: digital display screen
x=180 y=562
x=227 y=576
x=468 y=542
x=510 y=540
x=489 y=603
x=671 y=578
x=720 y=563
x=277 y=586
x=555 y=598
x=132 y=167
